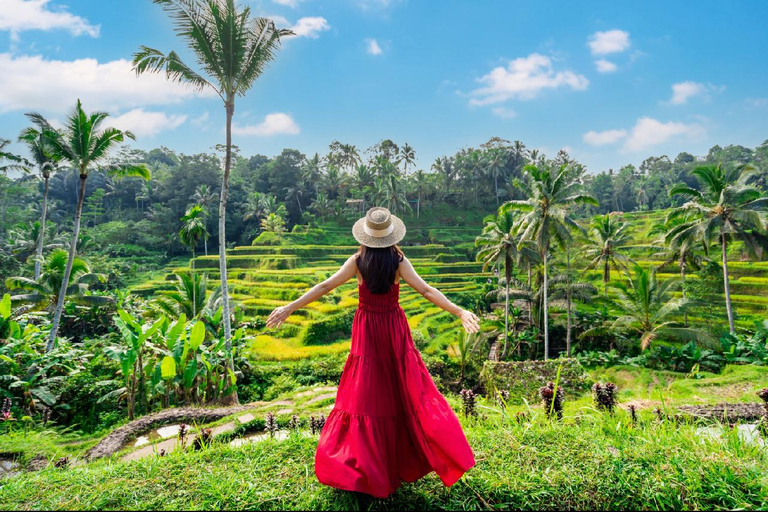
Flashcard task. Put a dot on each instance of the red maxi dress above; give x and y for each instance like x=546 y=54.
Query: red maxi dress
x=390 y=423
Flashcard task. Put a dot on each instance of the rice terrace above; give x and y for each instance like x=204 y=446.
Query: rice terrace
x=474 y=256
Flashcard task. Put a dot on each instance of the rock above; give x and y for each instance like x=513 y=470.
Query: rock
x=725 y=412
x=246 y=418
x=38 y=463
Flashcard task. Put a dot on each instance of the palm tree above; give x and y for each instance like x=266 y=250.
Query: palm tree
x=333 y=182
x=85 y=147
x=393 y=196
x=646 y=308
x=407 y=157
x=204 y=197
x=8 y=160
x=447 y=171
x=683 y=253
x=233 y=50
x=322 y=206
x=567 y=288
x=24 y=240
x=45 y=162
x=312 y=171
x=43 y=292
x=546 y=220
x=190 y=298
x=349 y=156
x=498 y=244
x=496 y=159
x=295 y=191
x=273 y=223
x=604 y=248
x=727 y=208
x=420 y=186
x=192 y=230
x=362 y=180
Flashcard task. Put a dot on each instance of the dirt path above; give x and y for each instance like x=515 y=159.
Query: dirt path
x=116 y=440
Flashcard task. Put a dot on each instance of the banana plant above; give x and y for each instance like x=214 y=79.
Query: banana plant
x=180 y=364
x=8 y=327
x=130 y=355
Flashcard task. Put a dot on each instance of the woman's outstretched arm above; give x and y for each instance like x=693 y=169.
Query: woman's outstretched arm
x=344 y=274
x=414 y=280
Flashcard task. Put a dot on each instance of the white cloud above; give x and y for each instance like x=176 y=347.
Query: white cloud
x=504 y=113
x=650 y=132
x=201 y=120
x=683 y=91
x=594 y=138
x=17 y=16
x=372 y=47
x=53 y=86
x=605 y=66
x=310 y=27
x=610 y=41
x=523 y=79
x=146 y=124
x=273 y=124
x=288 y=3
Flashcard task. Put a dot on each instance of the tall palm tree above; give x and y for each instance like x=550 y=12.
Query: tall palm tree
x=45 y=161
x=295 y=191
x=447 y=171
x=420 y=186
x=86 y=147
x=333 y=182
x=204 y=197
x=362 y=179
x=43 y=292
x=546 y=220
x=232 y=49
x=683 y=253
x=190 y=298
x=192 y=231
x=498 y=244
x=496 y=160
x=726 y=209
x=566 y=288
x=349 y=156
x=24 y=239
x=312 y=171
x=393 y=194
x=609 y=238
x=8 y=162
x=407 y=157
x=647 y=306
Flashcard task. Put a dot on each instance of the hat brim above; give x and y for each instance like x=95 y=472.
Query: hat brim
x=397 y=234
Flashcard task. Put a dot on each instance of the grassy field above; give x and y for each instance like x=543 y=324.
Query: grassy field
x=589 y=460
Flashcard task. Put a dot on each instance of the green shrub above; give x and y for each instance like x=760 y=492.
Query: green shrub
x=268 y=238
x=524 y=378
x=330 y=329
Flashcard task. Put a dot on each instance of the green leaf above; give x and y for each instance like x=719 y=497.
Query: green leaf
x=190 y=372
x=197 y=336
x=44 y=394
x=5 y=306
x=168 y=368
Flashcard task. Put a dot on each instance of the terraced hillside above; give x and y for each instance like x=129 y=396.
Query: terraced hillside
x=264 y=276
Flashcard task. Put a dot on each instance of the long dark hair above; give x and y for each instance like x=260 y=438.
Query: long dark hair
x=378 y=266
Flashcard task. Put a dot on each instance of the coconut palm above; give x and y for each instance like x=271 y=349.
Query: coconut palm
x=683 y=254
x=565 y=289
x=24 y=240
x=447 y=171
x=496 y=160
x=45 y=162
x=333 y=182
x=295 y=191
x=421 y=186
x=609 y=238
x=312 y=171
x=192 y=231
x=392 y=194
x=43 y=292
x=8 y=160
x=85 y=147
x=349 y=156
x=204 y=197
x=498 y=245
x=726 y=209
x=647 y=306
x=546 y=220
x=273 y=223
x=232 y=49
x=407 y=157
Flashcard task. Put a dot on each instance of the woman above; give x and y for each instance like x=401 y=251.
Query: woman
x=390 y=423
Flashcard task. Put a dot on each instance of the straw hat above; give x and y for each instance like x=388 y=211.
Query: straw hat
x=378 y=228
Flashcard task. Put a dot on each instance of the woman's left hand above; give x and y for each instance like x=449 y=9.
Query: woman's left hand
x=278 y=316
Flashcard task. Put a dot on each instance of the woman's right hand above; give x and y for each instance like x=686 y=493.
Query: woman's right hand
x=470 y=321
x=278 y=316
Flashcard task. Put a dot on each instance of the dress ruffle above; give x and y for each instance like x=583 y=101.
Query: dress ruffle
x=390 y=424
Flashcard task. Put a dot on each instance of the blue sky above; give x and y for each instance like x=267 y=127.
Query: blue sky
x=611 y=82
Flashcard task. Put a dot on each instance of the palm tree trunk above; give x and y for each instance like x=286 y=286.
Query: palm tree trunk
x=508 y=277
x=68 y=269
x=418 y=206
x=546 y=305
x=205 y=241
x=530 y=295
x=142 y=383
x=496 y=187
x=40 y=240
x=682 y=279
x=606 y=278
x=728 y=305
x=194 y=286
x=230 y=108
x=568 y=302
